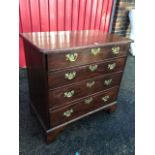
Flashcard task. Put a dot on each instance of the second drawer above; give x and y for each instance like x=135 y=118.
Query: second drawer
x=69 y=76
x=64 y=95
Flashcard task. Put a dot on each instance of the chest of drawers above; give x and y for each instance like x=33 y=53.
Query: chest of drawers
x=72 y=74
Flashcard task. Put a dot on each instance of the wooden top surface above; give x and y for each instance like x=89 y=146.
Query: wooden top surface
x=67 y=40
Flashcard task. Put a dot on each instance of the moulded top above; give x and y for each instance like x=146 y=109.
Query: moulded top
x=68 y=40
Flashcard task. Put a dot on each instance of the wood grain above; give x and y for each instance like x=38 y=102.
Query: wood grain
x=58 y=61
x=58 y=79
x=64 y=41
x=79 y=108
x=37 y=80
x=58 y=101
x=57 y=98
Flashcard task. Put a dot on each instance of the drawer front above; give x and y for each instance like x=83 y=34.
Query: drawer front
x=84 y=56
x=60 y=78
x=64 y=95
x=82 y=107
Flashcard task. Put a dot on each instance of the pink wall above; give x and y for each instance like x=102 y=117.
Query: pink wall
x=61 y=15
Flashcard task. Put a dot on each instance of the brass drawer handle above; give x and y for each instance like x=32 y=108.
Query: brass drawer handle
x=69 y=94
x=92 y=68
x=116 y=50
x=89 y=100
x=111 y=66
x=90 y=84
x=95 y=51
x=105 y=98
x=68 y=113
x=71 y=57
x=108 y=82
x=70 y=75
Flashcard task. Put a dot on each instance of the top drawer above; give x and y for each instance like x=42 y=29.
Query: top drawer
x=84 y=56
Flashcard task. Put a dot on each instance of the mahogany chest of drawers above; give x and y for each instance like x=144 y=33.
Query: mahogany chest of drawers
x=73 y=74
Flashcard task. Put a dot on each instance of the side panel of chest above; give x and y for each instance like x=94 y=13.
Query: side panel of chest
x=37 y=80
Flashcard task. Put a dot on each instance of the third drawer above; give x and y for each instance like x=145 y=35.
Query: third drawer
x=66 y=94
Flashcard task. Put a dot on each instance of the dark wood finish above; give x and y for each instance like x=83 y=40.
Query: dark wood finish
x=56 y=42
x=80 y=107
x=47 y=66
x=58 y=61
x=57 y=98
x=37 y=80
x=34 y=111
x=52 y=135
x=57 y=79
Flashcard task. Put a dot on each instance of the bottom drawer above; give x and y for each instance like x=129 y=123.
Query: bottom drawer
x=82 y=107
